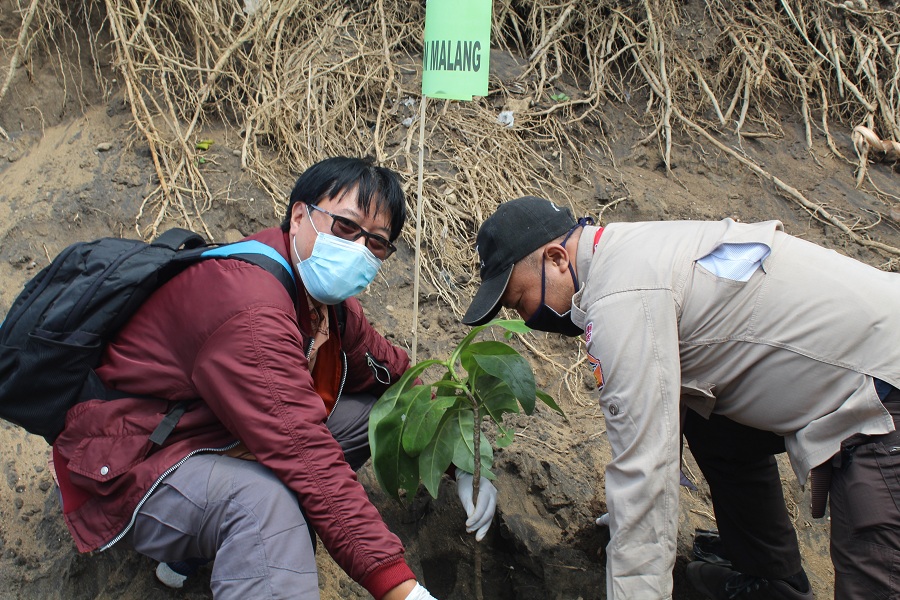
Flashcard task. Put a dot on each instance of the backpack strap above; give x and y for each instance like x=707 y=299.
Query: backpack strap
x=167 y=425
x=176 y=237
x=261 y=255
x=251 y=251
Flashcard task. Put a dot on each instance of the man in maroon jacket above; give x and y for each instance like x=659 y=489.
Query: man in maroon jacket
x=278 y=397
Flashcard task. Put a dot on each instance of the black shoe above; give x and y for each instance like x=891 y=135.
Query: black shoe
x=721 y=583
x=708 y=548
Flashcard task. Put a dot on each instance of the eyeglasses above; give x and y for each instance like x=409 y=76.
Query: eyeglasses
x=349 y=230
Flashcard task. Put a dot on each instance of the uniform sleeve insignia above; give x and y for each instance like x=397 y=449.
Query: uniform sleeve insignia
x=596 y=369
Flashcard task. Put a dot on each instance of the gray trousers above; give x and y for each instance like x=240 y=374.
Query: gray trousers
x=239 y=514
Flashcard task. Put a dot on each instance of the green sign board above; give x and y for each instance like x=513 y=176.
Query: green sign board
x=457 y=49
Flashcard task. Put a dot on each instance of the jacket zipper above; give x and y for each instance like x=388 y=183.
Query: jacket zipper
x=153 y=487
x=343 y=377
x=376 y=366
x=343 y=381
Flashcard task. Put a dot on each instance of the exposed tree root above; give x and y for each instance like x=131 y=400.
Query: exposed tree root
x=300 y=80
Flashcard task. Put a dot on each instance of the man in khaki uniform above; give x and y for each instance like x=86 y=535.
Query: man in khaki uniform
x=749 y=341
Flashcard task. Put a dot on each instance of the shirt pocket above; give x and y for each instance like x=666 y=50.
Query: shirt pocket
x=887 y=456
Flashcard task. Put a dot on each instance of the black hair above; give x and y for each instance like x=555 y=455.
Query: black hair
x=333 y=176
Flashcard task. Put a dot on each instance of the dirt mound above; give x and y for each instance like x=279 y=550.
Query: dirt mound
x=88 y=151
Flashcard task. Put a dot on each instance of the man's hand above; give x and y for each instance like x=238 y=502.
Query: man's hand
x=478 y=517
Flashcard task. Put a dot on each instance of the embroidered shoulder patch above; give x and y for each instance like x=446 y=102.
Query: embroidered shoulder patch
x=596 y=369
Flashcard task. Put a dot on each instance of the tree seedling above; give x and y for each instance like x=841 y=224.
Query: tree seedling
x=418 y=430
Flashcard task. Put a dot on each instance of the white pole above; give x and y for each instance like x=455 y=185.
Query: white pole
x=419 y=203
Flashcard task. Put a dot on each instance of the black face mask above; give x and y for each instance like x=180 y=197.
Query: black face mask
x=547 y=319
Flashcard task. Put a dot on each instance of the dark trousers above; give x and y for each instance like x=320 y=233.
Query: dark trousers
x=739 y=464
x=865 y=515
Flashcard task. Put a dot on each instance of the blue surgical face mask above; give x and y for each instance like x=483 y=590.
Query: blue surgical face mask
x=337 y=268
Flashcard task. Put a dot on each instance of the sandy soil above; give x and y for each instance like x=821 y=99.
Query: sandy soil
x=74 y=170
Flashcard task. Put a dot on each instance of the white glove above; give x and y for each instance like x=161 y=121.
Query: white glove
x=420 y=593
x=603 y=520
x=479 y=517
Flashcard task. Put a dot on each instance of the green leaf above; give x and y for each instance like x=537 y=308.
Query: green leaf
x=559 y=97
x=423 y=418
x=409 y=475
x=408 y=468
x=510 y=325
x=204 y=145
x=489 y=347
x=505 y=437
x=436 y=457
x=464 y=455
x=384 y=405
x=467 y=357
x=548 y=400
x=394 y=469
x=408 y=378
x=514 y=325
x=447 y=388
x=496 y=397
x=513 y=369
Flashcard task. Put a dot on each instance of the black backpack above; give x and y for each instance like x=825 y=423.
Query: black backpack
x=55 y=332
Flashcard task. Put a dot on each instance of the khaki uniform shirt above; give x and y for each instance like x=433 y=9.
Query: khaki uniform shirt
x=793 y=350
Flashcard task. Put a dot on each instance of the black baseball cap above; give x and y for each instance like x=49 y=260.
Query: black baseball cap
x=515 y=230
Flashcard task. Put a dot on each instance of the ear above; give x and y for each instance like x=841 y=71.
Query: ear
x=298 y=213
x=558 y=257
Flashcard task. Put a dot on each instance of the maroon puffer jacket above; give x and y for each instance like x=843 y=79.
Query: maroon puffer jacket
x=227 y=332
